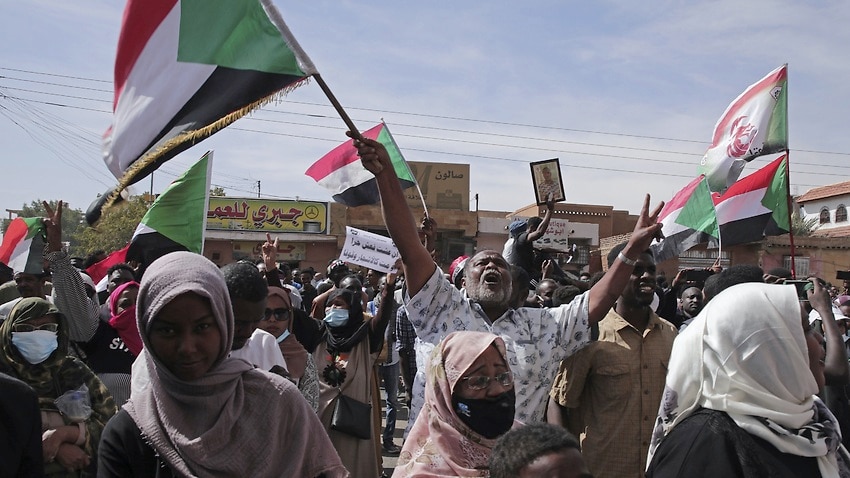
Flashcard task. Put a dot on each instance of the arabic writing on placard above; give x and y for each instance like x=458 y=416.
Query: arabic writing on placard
x=369 y=250
x=556 y=237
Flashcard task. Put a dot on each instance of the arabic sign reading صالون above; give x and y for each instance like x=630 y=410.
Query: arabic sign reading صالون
x=267 y=215
x=444 y=185
x=369 y=250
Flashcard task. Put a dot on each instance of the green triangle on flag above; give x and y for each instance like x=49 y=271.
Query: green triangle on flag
x=180 y=212
x=698 y=213
x=776 y=196
x=402 y=169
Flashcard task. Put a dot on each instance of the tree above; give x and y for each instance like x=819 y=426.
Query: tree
x=72 y=220
x=115 y=228
x=801 y=226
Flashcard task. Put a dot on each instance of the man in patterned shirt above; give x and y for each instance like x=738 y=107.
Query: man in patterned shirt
x=536 y=339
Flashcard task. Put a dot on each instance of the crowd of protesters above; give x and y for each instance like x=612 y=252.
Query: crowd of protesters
x=509 y=365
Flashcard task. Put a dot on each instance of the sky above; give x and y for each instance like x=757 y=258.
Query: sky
x=624 y=94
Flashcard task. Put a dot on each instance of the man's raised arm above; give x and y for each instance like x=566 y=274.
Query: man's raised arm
x=604 y=294
x=418 y=264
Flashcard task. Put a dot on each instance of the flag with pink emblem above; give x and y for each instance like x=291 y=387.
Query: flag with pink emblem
x=754 y=124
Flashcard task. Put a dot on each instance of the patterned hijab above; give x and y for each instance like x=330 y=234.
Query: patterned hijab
x=440 y=444
x=40 y=376
x=233 y=421
x=745 y=354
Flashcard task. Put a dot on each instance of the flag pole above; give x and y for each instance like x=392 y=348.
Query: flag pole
x=338 y=107
x=415 y=181
x=788 y=200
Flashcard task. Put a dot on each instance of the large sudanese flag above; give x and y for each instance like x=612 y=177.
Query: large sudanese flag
x=688 y=219
x=755 y=206
x=186 y=69
x=754 y=124
x=177 y=219
x=341 y=172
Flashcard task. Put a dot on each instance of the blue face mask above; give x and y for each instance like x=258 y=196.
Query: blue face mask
x=336 y=317
x=283 y=336
x=36 y=346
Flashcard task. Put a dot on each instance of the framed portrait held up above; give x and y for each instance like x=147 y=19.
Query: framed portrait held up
x=546 y=176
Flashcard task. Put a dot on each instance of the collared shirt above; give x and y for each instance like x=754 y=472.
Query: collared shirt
x=615 y=386
x=536 y=339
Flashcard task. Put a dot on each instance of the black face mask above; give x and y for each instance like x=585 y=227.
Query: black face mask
x=489 y=418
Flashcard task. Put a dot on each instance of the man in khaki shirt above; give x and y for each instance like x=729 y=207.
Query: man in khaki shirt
x=608 y=393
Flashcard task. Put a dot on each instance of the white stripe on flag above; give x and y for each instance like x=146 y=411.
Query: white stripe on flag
x=741 y=206
x=350 y=175
x=156 y=77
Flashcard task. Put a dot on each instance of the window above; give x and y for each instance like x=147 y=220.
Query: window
x=824 y=215
x=801 y=265
x=841 y=213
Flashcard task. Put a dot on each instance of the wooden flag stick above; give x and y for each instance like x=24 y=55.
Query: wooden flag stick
x=338 y=107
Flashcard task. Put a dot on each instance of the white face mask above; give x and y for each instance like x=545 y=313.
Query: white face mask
x=336 y=317
x=283 y=336
x=36 y=346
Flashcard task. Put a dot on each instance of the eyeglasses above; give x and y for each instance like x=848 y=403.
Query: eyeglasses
x=32 y=328
x=278 y=314
x=480 y=382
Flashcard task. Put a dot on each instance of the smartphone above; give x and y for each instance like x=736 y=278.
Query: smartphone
x=697 y=275
x=802 y=286
x=842 y=275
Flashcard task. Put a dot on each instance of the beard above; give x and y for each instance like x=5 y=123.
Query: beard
x=487 y=297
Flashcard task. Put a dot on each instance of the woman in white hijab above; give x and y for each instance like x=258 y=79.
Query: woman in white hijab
x=194 y=411
x=740 y=394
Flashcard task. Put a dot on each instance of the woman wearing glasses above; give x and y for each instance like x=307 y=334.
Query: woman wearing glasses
x=469 y=404
x=277 y=321
x=74 y=404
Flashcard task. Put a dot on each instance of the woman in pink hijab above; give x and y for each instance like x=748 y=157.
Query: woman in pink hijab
x=469 y=404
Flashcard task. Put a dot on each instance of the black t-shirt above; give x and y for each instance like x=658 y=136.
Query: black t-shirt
x=106 y=352
x=123 y=453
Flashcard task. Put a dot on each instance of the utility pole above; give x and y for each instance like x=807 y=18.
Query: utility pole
x=258 y=189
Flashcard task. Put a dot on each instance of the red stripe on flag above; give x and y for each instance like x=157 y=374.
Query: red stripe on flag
x=17 y=232
x=680 y=199
x=141 y=19
x=340 y=156
x=758 y=88
x=760 y=179
x=98 y=270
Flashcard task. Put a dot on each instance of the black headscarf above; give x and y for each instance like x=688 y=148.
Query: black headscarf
x=345 y=337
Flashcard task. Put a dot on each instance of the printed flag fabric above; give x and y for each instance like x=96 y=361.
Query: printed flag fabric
x=177 y=218
x=754 y=124
x=23 y=245
x=187 y=68
x=688 y=219
x=341 y=172
x=98 y=270
x=755 y=206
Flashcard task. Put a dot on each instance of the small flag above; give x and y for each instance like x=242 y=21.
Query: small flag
x=23 y=245
x=341 y=172
x=688 y=219
x=755 y=206
x=754 y=124
x=177 y=218
x=98 y=270
x=186 y=69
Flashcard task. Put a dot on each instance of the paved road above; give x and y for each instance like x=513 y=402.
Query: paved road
x=400 y=424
